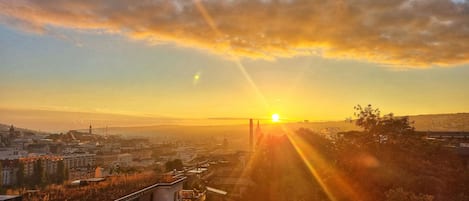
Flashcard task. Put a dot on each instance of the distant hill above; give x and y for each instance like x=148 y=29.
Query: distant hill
x=433 y=122
x=4 y=127
x=441 y=122
x=62 y=121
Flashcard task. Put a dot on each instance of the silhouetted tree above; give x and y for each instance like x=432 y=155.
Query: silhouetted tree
x=372 y=122
x=20 y=175
x=1 y=177
x=174 y=164
x=389 y=124
x=39 y=175
x=158 y=169
x=60 y=172
x=368 y=117
x=66 y=174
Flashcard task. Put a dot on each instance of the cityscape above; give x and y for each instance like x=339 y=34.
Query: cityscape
x=234 y=100
x=83 y=165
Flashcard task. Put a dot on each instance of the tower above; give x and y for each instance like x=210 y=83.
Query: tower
x=259 y=135
x=225 y=144
x=12 y=130
x=258 y=128
x=251 y=133
x=90 y=130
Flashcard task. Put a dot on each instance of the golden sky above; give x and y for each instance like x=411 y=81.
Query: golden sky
x=303 y=59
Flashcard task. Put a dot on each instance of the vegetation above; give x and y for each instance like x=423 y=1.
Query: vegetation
x=61 y=177
x=20 y=175
x=372 y=122
x=304 y=165
x=124 y=170
x=175 y=164
x=1 y=178
x=39 y=175
x=423 y=170
x=40 y=178
x=112 y=188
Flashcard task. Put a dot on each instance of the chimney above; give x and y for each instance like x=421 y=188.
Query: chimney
x=251 y=133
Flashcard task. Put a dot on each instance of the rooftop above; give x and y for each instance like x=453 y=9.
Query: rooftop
x=8 y=197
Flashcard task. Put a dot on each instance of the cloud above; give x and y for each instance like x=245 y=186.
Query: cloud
x=416 y=33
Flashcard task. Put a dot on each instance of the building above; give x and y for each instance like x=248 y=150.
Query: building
x=235 y=185
x=190 y=195
x=75 y=161
x=164 y=190
x=6 y=153
x=445 y=134
x=9 y=168
x=80 y=166
x=39 y=148
x=11 y=198
x=49 y=164
x=214 y=194
x=124 y=160
x=106 y=159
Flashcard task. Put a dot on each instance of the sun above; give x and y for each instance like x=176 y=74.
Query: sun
x=275 y=118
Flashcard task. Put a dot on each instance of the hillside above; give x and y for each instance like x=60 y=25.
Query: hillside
x=442 y=122
x=5 y=128
x=435 y=122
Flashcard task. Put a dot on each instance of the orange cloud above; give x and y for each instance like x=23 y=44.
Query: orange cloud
x=415 y=33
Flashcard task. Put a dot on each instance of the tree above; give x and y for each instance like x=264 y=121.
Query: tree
x=178 y=164
x=175 y=164
x=389 y=124
x=60 y=172
x=66 y=174
x=39 y=175
x=158 y=169
x=20 y=175
x=1 y=175
x=368 y=117
x=372 y=122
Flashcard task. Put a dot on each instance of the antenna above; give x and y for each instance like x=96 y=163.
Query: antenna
x=91 y=129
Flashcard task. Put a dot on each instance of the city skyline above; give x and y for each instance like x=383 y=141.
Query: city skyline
x=201 y=62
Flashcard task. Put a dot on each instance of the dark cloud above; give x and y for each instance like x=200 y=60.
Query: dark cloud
x=400 y=32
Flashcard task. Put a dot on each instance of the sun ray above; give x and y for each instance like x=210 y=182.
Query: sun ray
x=253 y=156
x=308 y=164
x=209 y=20
x=300 y=147
x=314 y=161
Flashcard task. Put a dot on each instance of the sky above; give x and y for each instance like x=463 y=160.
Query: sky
x=229 y=59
